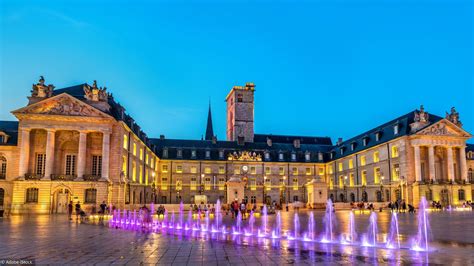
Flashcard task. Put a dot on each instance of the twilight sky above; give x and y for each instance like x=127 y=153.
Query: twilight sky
x=325 y=68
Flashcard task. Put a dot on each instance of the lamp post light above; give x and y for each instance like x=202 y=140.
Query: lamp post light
x=381 y=188
x=345 y=188
x=153 y=190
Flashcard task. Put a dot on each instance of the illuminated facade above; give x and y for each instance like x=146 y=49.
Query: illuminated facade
x=78 y=144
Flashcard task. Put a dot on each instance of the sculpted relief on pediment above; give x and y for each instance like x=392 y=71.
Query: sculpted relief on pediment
x=441 y=129
x=65 y=105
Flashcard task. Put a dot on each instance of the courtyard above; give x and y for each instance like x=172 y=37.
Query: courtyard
x=55 y=240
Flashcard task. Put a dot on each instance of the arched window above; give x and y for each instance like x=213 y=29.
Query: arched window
x=31 y=195
x=379 y=196
x=353 y=198
x=461 y=194
x=364 y=196
x=341 y=197
x=2 y=195
x=3 y=167
x=90 y=196
x=127 y=194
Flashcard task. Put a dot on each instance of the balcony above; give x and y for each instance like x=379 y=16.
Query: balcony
x=33 y=176
x=63 y=177
x=91 y=177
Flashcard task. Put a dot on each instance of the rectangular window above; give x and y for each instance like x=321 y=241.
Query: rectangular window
x=221 y=183
x=147 y=158
x=364 y=178
x=90 y=196
x=321 y=170
x=179 y=153
x=193 y=154
x=376 y=157
x=362 y=160
x=221 y=154
x=125 y=141
x=40 y=163
x=377 y=175
x=340 y=167
x=236 y=170
x=31 y=195
x=281 y=157
x=207 y=170
x=364 y=141
x=179 y=169
x=193 y=169
x=134 y=149
x=96 y=165
x=351 y=179
x=208 y=154
x=253 y=183
x=396 y=172
x=341 y=181
x=134 y=171
x=293 y=156
x=351 y=164
x=330 y=170
x=164 y=183
x=164 y=168
x=124 y=165
x=268 y=170
x=253 y=170
x=295 y=170
x=70 y=164
x=221 y=170
x=308 y=171
x=207 y=183
x=141 y=154
x=3 y=169
x=395 y=130
x=295 y=183
x=193 y=184
x=281 y=171
x=140 y=175
x=394 y=151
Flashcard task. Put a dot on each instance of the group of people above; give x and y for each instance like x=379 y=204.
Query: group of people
x=81 y=214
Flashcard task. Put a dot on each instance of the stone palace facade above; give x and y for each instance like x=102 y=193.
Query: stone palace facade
x=78 y=143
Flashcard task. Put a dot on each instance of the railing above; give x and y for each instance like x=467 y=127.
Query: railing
x=63 y=177
x=91 y=177
x=33 y=176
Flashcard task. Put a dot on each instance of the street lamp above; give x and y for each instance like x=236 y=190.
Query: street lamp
x=381 y=188
x=345 y=189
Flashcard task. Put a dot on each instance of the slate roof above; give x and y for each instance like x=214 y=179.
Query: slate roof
x=386 y=132
x=11 y=129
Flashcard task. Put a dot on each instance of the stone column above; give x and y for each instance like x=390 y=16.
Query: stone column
x=24 y=152
x=105 y=155
x=82 y=155
x=417 y=164
x=49 y=154
x=462 y=161
x=450 y=164
x=431 y=161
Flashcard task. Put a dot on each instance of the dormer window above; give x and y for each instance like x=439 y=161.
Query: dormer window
x=364 y=141
x=395 y=129
x=342 y=150
x=221 y=154
x=267 y=156
x=353 y=145
x=193 y=154
x=293 y=156
x=377 y=136
x=331 y=155
x=280 y=156
x=179 y=153
x=320 y=156
x=3 y=137
x=208 y=154
x=165 y=153
x=307 y=156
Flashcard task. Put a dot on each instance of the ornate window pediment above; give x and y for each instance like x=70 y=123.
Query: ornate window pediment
x=244 y=156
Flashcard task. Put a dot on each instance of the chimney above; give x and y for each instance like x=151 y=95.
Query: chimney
x=339 y=141
x=296 y=143
x=162 y=137
x=269 y=142
x=214 y=139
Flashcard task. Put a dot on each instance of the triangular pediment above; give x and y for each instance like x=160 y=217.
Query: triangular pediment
x=61 y=105
x=444 y=127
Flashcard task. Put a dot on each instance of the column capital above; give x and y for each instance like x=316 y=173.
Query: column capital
x=25 y=129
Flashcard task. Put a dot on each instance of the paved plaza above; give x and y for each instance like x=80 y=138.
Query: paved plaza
x=55 y=240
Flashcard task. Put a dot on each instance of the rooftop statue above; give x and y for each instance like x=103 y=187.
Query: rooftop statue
x=421 y=116
x=454 y=117
x=95 y=93
x=40 y=90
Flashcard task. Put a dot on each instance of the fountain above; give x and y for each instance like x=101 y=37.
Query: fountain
x=329 y=222
x=296 y=227
x=217 y=216
x=422 y=238
x=276 y=233
x=189 y=225
x=371 y=237
x=249 y=232
x=164 y=223
x=310 y=234
x=181 y=216
x=393 y=235
x=206 y=219
x=238 y=224
x=352 y=233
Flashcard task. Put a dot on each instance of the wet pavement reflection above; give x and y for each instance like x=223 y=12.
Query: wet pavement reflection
x=55 y=240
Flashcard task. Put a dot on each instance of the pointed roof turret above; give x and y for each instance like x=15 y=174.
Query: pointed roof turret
x=209 y=129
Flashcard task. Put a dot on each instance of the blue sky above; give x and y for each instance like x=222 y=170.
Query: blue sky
x=325 y=68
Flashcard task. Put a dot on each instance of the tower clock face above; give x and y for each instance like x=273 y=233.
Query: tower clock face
x=245 y=168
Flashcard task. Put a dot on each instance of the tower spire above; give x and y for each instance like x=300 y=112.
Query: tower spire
x=209 y=129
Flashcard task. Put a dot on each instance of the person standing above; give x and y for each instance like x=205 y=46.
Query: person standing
x=103 y=207
x=69 y=210
x=78 y=210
